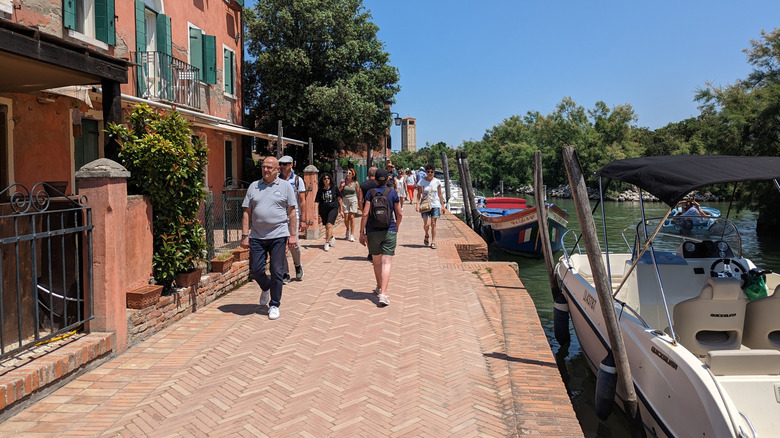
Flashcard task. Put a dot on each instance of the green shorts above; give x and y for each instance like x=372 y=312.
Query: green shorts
x=381 y=242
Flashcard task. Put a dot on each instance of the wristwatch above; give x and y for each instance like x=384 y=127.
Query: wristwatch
x=244 y=236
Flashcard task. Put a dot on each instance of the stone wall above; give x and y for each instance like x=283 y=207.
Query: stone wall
x=143 y=323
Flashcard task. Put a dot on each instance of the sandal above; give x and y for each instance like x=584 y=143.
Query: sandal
x=425 y=242
x=433 y=245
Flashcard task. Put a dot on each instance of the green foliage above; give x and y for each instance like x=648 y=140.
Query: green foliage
x=318 y=66
x=167 y=163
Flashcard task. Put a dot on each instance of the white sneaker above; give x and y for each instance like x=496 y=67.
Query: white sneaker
x=265 y=297
x=351 y=238
x=327 y=246
x=273 y=312
x=383 y=301
x=332 y=240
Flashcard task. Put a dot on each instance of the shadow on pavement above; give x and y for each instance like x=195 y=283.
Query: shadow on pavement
x=350 y=294
x=516 y=359
x=357 y=258
x=243 y=309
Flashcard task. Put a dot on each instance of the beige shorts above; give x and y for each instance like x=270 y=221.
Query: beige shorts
x=350 y=204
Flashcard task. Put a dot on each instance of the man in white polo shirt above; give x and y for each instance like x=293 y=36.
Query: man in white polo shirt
x=268 y=225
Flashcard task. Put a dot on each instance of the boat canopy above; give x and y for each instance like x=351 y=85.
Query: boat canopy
x=671 y=177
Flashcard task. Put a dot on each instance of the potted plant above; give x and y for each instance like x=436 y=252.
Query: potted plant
x=222 y=262
x=241 y=254
x=168 y=164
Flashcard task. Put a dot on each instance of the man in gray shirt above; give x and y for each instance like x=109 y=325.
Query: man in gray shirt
x=267 y=227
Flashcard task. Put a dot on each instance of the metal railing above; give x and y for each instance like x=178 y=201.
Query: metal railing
x=221 y=217
x=45 y=265
x=163 y=77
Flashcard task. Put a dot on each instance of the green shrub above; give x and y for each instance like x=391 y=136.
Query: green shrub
x=168 y=164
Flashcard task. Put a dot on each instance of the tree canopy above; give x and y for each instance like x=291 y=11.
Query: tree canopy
x=318 y=66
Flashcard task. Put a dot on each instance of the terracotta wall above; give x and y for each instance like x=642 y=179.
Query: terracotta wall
x=41 y=140
x=139 y=244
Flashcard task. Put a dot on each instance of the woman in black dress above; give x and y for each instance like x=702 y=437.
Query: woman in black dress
x=328 y=202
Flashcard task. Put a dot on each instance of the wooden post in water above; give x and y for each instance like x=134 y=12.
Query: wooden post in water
x=446 y=168
x=603 y=288
x=279 y=140
x=544 y=231
x=472 y=200
x=464 y=191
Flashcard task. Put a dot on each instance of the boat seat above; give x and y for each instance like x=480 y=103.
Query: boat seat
x=743 y=362
x=714 y=320
x=762 y=324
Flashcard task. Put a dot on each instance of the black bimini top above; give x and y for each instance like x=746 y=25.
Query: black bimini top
x=671 y=177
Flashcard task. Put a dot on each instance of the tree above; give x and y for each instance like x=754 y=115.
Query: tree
x=744 y=119
x=318 y=66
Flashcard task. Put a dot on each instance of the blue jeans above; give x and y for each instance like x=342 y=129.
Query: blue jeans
x=261 y=250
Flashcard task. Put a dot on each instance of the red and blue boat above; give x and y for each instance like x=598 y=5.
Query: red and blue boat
x=512 y=226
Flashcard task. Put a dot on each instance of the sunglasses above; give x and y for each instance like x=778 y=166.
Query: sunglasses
x=285 y=164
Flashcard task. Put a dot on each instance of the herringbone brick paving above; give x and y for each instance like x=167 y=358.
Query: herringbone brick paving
x=439 y=361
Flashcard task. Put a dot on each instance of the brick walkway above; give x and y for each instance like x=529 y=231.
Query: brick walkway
x=459 y=352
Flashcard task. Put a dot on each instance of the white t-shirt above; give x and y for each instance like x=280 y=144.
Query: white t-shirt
x=431 y=188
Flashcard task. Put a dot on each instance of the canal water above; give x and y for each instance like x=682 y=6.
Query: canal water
x=580 y=381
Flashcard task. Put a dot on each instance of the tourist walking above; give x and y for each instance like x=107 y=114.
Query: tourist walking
x=286 y=172
x=400 y=187
x=411 y=182
x=267 y=227
x=350 y=193
x=328 y=203
x=367 y=185
x=378 y=229
x=429 y=203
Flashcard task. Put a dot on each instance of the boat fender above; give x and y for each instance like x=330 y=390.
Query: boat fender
x=561 y=320
x=606 y=382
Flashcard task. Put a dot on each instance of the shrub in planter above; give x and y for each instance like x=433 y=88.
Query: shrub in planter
x=167 y=163
x=222 y=262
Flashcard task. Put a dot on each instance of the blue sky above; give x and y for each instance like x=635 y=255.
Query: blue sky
x=467 y=65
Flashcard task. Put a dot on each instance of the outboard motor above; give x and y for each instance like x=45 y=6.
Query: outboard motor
x=561 y=320
x=606 y=383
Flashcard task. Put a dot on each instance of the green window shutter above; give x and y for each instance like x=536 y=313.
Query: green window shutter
x=164 y=44
x=69 y=13
x=140 y=26
x=229 y=71
x=210 y=58
x=104 y=21
x=196 y=51
x=140 y=43
x=240 y=2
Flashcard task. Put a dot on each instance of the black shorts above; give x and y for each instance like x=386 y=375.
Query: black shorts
x=329 y=215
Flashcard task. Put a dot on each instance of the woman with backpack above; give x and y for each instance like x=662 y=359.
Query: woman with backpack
x=328 y=203
x=378 y=228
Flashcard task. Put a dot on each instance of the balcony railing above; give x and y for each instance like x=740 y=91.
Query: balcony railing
x=163 y=77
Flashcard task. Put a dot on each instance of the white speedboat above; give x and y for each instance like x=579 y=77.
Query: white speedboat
x=704 y=359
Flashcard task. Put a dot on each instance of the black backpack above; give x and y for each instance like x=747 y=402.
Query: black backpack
x=379 y=214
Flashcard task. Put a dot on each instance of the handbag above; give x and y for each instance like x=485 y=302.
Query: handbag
x=425 y=204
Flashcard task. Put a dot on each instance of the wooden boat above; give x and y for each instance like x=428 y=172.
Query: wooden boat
x=509 y=224
x=705 y=361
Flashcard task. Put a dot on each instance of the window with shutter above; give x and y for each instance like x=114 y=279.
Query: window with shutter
x=203 y=55
x=229 y=71
x=90 y=18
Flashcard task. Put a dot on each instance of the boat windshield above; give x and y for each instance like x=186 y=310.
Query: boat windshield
x=675 y=232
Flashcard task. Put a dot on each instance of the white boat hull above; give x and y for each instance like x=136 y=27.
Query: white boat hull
x=678 y=395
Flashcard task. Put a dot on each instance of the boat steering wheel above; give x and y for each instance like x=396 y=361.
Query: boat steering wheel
x=738 y=271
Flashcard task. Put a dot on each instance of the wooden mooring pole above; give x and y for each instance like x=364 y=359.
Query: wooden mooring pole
x=472 y=201
x=464 y=190
x=544 y=230
x=603 y=288
x=446 y=168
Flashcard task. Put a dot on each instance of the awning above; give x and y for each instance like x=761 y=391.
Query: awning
x=236 y=129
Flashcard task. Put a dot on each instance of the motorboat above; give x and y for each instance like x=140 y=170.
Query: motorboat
x=455 y=202
x=691 y=224
x=512 y=226
x=704 y=359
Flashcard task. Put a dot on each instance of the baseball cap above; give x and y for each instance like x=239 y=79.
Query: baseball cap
x=381 y=174
x=286 y=159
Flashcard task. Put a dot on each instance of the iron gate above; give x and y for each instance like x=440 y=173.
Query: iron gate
x=46 y=265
